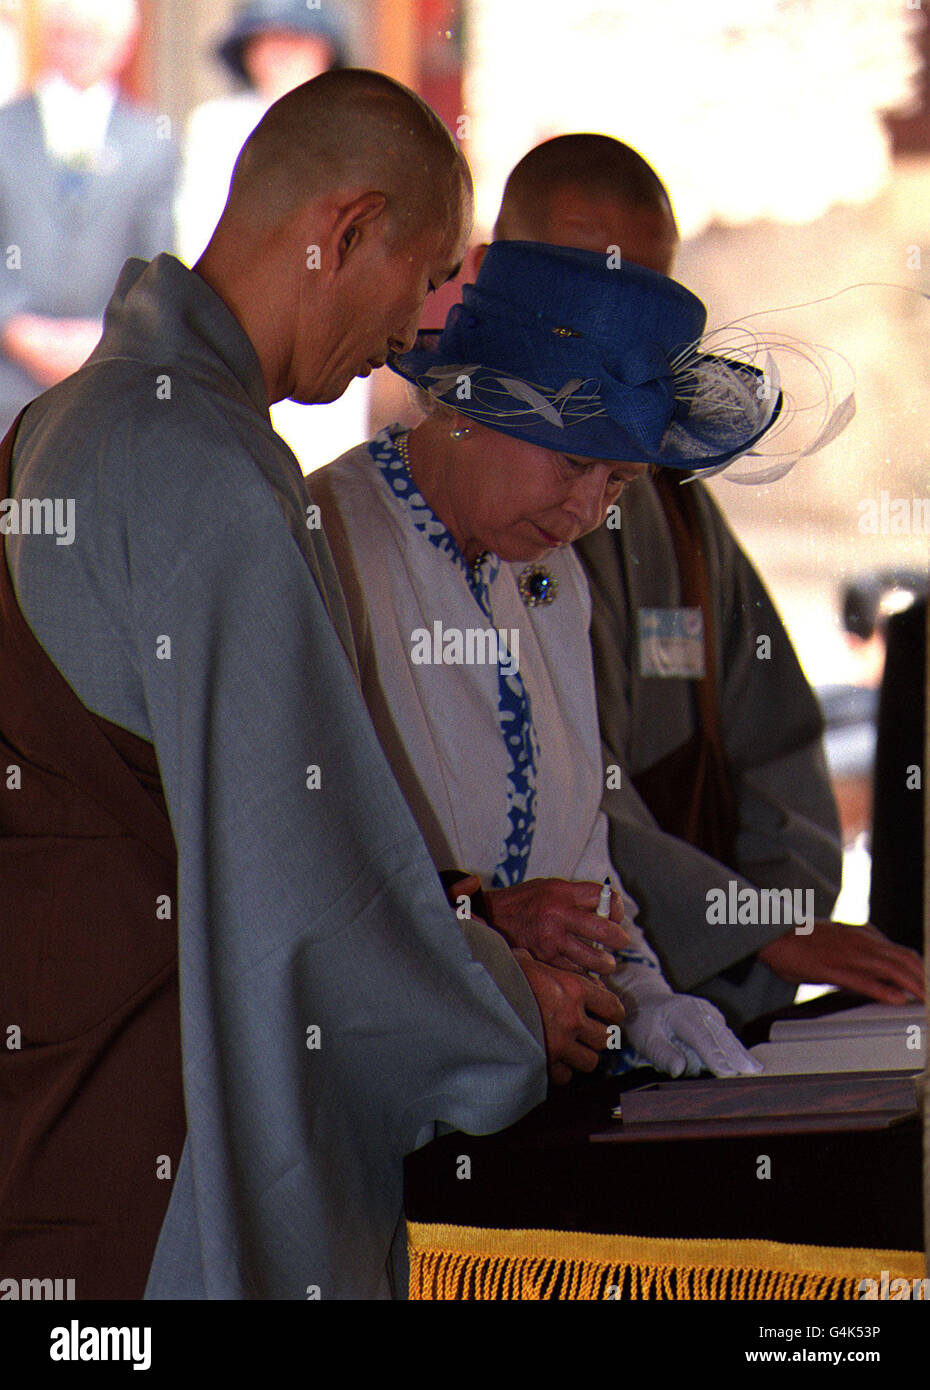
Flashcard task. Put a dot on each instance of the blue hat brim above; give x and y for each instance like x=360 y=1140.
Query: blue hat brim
x=489 y=399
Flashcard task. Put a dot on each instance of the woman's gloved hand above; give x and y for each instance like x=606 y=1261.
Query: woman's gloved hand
x=681 y=1034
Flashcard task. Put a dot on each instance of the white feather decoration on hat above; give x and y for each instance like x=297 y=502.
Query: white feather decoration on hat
x=494 y=398
x=526 y=393
x=709 y=381
x=718 y=394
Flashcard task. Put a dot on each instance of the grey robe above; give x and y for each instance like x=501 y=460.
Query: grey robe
x=771 y=726
x=194 y=608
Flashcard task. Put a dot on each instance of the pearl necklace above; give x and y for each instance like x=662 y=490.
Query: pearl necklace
x=402 y=445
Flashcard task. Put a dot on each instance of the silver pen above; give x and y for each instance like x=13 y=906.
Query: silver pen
x=602 y=910
x=603 y=906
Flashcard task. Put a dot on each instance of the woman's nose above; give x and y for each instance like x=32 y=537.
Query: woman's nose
x=588 y=501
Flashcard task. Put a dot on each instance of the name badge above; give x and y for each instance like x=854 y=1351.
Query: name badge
x=671 y=642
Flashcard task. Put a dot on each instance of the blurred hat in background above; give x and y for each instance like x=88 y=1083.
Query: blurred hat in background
x=279 y=16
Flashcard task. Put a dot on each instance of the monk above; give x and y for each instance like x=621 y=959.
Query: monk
x=233 y=995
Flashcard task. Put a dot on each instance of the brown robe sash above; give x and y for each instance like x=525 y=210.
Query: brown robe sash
x=690 y=791
x=91 y=1105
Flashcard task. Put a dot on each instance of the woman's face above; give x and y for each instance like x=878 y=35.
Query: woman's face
x=519 y=500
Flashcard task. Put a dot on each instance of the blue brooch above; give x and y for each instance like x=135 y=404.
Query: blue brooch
x=537 y=586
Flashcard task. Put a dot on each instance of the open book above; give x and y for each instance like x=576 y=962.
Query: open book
x=870 y=1037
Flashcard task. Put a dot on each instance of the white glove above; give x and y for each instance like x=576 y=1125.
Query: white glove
x=677 y=1033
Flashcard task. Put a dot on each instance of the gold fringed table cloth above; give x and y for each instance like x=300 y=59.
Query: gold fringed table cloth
x=475 y=1263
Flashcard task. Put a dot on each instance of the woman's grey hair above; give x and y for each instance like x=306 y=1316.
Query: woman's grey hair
x=427 y=404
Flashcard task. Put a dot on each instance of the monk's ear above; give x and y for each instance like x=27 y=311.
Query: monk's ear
x=356 y=218
x=472 y=263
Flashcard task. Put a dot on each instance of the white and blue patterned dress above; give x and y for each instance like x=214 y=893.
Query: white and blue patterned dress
x=502 y=769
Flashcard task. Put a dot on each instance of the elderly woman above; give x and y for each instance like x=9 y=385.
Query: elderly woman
x=556 y=383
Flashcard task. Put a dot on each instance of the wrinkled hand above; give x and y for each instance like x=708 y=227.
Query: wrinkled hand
x=682 y=1034
x=555 y=920
x=575 y=1013
x=855 y=957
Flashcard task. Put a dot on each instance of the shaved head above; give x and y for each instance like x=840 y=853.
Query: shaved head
x=350 y=130
x=590 y=191
x=350 y=202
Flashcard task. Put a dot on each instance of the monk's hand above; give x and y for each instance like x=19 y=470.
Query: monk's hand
x=576 y=1013
x=859 y=958
x=556 y=921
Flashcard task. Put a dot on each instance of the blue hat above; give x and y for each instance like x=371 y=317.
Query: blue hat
x=554 y=346
x=263 y=16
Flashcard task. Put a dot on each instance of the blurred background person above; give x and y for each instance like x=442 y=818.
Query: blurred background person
x=870 y=603
x=271 y=47
x=86 y=181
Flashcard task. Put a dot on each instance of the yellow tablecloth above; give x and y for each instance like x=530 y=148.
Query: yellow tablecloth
x=469 y=1262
